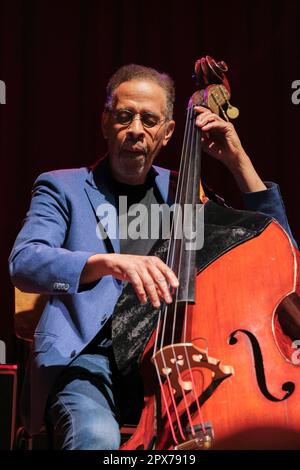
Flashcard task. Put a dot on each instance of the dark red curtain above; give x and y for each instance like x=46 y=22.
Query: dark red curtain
x=57 y=55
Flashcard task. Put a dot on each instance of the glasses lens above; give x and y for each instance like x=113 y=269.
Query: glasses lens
x=125 y=117
x=149 y=120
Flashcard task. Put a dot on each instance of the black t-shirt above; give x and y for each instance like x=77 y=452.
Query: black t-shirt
x=146 y=194
x=139 y=217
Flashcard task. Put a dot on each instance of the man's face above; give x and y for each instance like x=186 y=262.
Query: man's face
x=133 y=147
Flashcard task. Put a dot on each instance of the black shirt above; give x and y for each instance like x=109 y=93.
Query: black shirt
x=138 y=231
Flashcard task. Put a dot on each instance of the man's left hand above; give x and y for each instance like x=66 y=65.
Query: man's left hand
x=220 y=140
x=219 y=137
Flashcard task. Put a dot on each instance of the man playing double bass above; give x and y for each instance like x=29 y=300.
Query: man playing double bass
x=72 y=381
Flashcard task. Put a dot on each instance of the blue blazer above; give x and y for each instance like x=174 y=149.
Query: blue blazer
x=58 y=236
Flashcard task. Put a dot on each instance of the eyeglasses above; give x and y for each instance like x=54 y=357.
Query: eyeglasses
x=125 y=117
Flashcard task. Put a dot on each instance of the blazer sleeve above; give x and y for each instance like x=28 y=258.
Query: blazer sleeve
x=38 y=262
x=269 y=202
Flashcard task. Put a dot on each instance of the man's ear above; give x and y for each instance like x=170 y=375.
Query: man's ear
x=169 y=129
x=104 y=123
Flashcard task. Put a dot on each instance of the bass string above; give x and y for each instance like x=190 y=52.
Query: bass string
x=174 y=239
x=189 y=149
x=193 y=157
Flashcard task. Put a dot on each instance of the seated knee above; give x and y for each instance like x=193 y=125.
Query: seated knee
x=98 y=435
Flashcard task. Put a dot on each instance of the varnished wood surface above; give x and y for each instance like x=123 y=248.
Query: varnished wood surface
x=241 y=291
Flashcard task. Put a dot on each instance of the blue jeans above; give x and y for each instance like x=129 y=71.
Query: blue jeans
x=82 y=408
x=91 y=398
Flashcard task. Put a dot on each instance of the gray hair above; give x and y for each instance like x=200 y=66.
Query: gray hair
x=140 y=72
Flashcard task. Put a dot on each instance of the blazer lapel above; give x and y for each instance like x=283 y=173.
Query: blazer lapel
x=102 y=200
x=100 y=195
x=166 y=182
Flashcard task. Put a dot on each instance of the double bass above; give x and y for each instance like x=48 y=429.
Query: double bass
x=221 y=366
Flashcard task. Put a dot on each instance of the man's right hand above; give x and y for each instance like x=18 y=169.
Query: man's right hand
x=149 y=275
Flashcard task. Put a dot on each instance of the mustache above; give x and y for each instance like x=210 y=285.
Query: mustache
x=134 y=147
